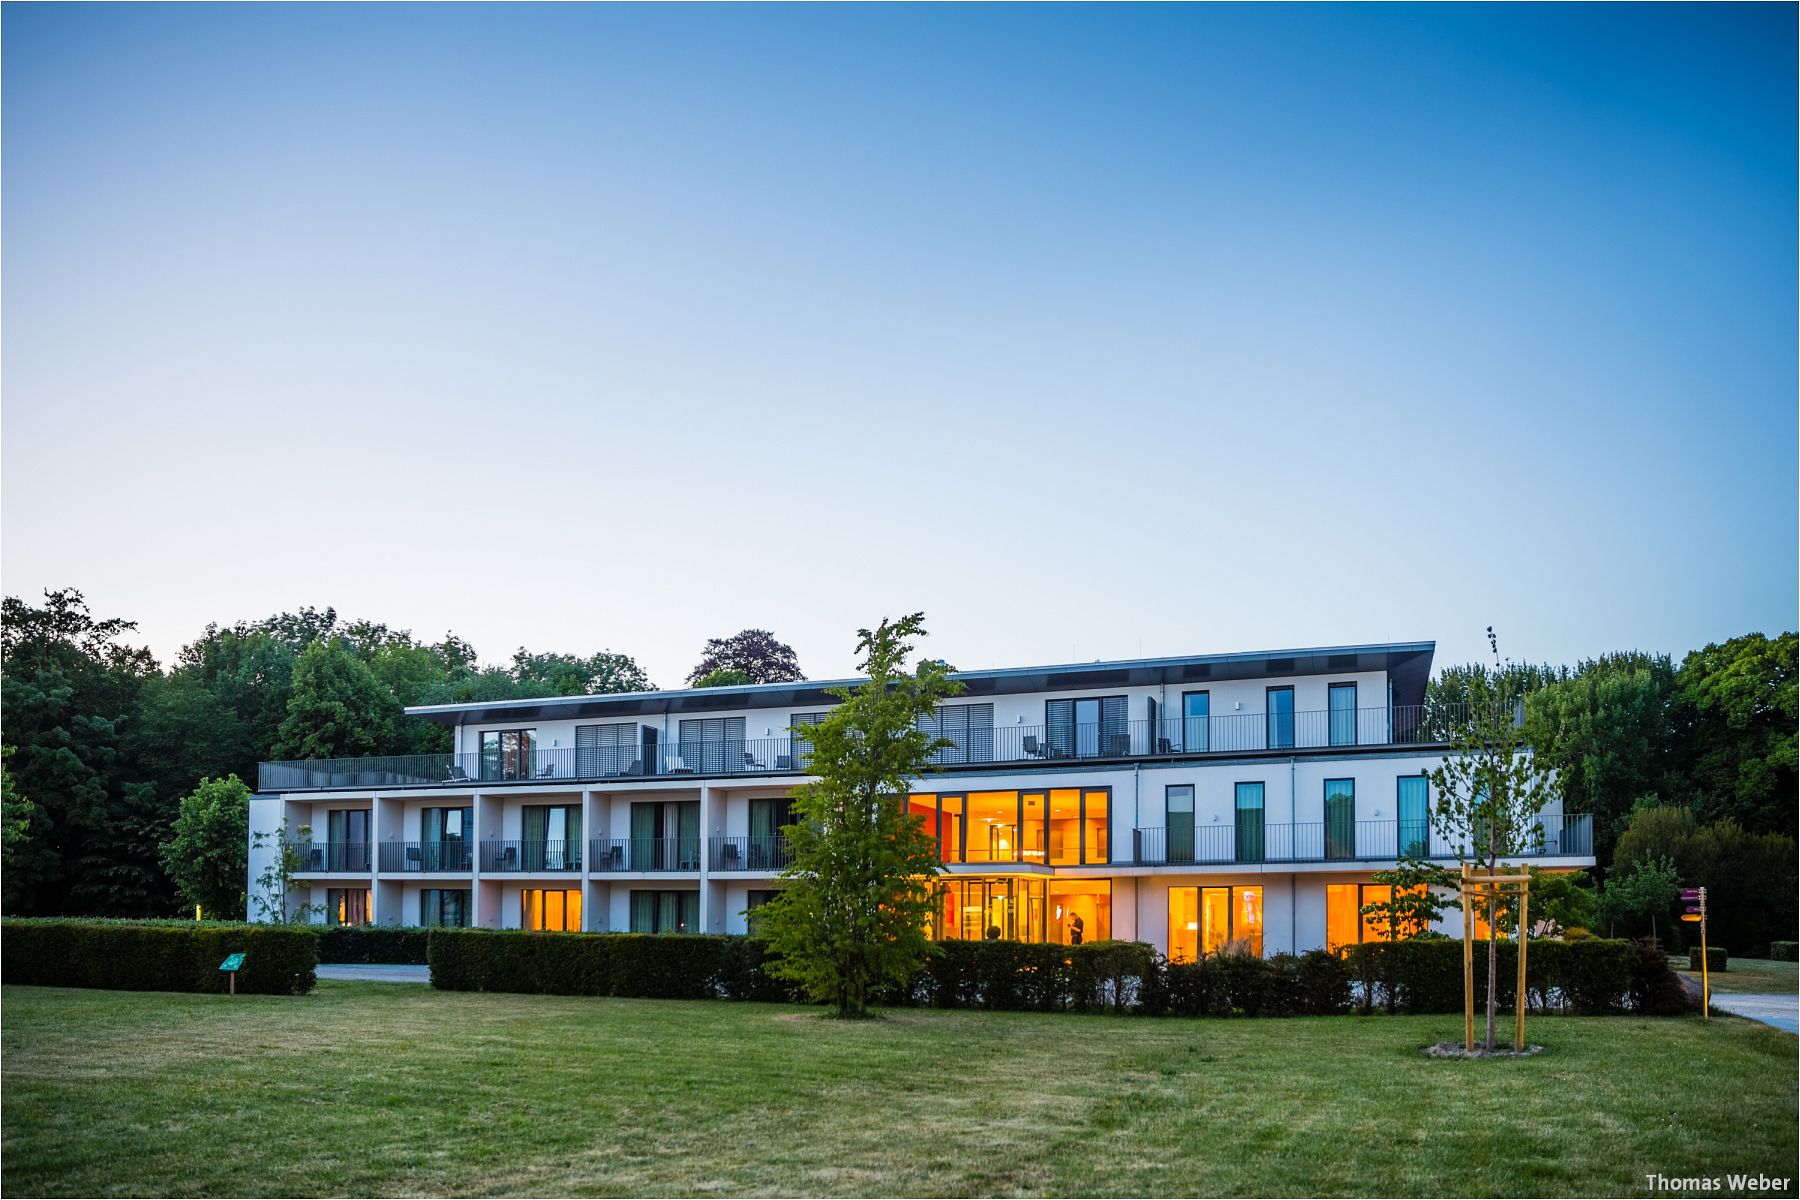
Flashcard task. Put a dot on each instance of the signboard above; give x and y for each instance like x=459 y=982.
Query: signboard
x=236 y=963
x=1692 y=917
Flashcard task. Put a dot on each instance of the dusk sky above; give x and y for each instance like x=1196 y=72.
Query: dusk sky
x=1090 y=332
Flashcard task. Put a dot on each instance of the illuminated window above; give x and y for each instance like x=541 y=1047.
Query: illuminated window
x=551 y=909
x=1184 y=924
x=1031 y=826
x=1097 y=827
x=1065 y=827
x=347 y=906
x=1247 y=918
x=1080 y=911
x=1215 y=919
x=1375 y=927
x=1342 y=919
x=993 y=827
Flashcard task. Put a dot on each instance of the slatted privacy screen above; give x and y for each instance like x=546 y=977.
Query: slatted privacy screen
x=602 y=750
x=798 y=747
x=970 y=729
x=710 y=745
x=1088 y=728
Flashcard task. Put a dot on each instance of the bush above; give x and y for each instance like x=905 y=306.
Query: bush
x=1716 y=958
x=157 y=956
x=1784 y=951
x=653 y=966
x=1656 y=991
x=372 y=944
x=1033 y=977
x=1222 y=985
x=1591 y=976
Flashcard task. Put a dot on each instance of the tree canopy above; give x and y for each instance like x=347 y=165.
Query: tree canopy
x=754 y=652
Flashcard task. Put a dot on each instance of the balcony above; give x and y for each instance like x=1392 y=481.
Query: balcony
x=762 y=853
x=1178 y=737
x=427 y=856
x=1319 y=841
x=324 y=857
x=645 y=854
x=531 y=857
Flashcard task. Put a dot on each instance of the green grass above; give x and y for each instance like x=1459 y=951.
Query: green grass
x=1749 y=975
x=397 y=1089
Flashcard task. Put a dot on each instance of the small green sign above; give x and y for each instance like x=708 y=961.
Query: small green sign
x=235 y=962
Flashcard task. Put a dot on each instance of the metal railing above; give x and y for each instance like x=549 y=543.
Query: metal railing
x=1321 y=841
x=333 y=856
x=452 y=855
x=1230 y=733
x=766 y=852
x=644 y=854
x=503 y=857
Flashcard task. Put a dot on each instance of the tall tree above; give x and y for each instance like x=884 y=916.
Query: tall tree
x=206 y=855
x=338 y=708
x=571 y=675
x=1490 y=790
x=755 y=652
x=858 y=883
x=1735 y=711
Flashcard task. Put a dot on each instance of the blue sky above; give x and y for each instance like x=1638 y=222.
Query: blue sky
x=1091 y=332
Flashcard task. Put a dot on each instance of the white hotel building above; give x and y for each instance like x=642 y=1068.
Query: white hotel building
x=1184 y=802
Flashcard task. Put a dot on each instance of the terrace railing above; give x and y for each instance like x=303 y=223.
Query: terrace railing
x=333 y=856
x=767 y=852
x=1317 y=841
x=533 y=857
x=452 y=855
x=1230 y=733
x=645 y=854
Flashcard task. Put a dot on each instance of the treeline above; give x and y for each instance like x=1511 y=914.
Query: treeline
x=1689 y=772
x=101 y=743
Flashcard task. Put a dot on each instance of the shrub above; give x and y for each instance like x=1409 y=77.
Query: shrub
x=1716 y=958
x=653 y=966
x=1034 y=977
x=1784 y=951
x=372 y=944
x=1656 y=991
x=1324 y=981
x=1592 y=976
x=1574 y=933
x=157 y=956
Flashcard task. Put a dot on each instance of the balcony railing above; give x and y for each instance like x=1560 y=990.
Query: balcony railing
x=333 y=856
x=1230 y=733
x=1320 y=841
x=452 y=855
x=645 y=854
x=502 y=857
x=768 y=852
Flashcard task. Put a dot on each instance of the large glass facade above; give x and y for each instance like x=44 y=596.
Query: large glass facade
x=507 y=753
x=1023 y=908
x=1215 y=920
x=1057 y=826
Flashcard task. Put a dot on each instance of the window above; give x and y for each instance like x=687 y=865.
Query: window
x=665 y=912
x=347 y=840
x=444 y=907
x=1215 y=920
x=1063 y=826
x=1342 y=703
x=969 y=728
x=1413 y=794
x=1088 y=728
x=1340 y=818
x=1280 y=708
x=1249 y=804
x=1080 y=911
x=1374 y=928
x=507 y=753
x=606 y=750
x=753 y=900
x=446 y=836
x=767 y=848
x=711 y=745
x=347 y=906
x=1064 y=911
x=551 y=838
x=665 y=835
x=551 y=909
x=1196 y=719
x=1343 y=919
x=993 y=827
x=1178 y=802
x=1096 y=826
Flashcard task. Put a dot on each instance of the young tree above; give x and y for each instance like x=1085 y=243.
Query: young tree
x=276 y=882
x=755 y=652
x=206 y=856
x=858 y=894
x=1647 y=887
x=1417 y=898
x=1490 y=790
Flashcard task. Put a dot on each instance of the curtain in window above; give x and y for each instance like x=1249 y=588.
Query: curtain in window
x=1340 y=818
x=1180 y=803
x=768 y=817
x=646 y=822
x=1414 y=823
x=1196 y=712
x=687 y=832
x=1249 y=804
x=643 y=912
x=1281 y=718
x=1343 y=714
x=534 y=827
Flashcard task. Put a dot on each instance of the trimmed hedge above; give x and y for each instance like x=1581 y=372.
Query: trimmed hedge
x=1313 y=984
x=1784 y=951
x=1032 y=977
x=1716 y=958
x=1590 y=977
x=159 y=956
x=654 y=966
x=372 y=944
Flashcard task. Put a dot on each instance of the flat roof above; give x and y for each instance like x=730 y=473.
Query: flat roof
x=1407 y=664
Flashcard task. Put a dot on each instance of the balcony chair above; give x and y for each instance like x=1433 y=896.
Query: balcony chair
x=784 y=762
x=414 y=860
x=456 y=775
x=750 y=763
x=509 y=859
x=728 y=857
x=1118 y=745
x=1033 y=748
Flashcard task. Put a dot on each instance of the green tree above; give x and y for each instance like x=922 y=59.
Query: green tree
x=1645 y=888
x=858 y=894
x=338 y=708
x=723 y=677
x=572 y=675
x=1490 y=789
x=21 y=821
x=1749 y=877
x=206 y=856
x=1734 y=712
x=1605 y=730
x=1418 y=895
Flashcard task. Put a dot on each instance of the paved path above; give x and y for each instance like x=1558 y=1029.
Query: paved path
x=378 y=972
x=1781 y=1011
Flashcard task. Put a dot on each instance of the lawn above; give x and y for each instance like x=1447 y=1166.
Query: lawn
x=397 y=1089
x=1749 y=975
